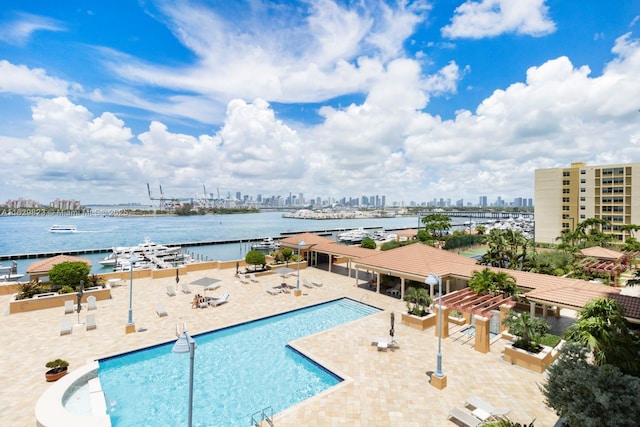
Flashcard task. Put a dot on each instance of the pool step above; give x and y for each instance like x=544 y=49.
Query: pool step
x=265 y=414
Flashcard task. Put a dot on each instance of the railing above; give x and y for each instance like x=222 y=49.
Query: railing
x=265 y=414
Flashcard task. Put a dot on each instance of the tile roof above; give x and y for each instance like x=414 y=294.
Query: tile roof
x=630 y=304
x=46 y=264
x=310 y=239
x=575 y=295
x=344 y=250
x=601 y=253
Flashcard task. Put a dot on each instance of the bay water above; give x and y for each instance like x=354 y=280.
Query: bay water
x=230 y=235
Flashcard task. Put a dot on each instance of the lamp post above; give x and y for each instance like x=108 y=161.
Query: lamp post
x=300 y=243
x=431 y=280
x=186 y=344
x=132 y=260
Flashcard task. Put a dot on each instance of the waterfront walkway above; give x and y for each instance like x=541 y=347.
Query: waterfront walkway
x=380 y=389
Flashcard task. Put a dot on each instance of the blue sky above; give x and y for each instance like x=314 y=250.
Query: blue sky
x=415 y=100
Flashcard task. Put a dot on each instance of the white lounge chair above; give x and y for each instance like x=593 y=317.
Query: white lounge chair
x=253 y=278
x=185 y=288
x=465 y=417
x=317 y=283
x=243 y=278
x=66 y=326
x=91 y=321
x=171 y=291
x=69 y=306
x=306 y=283
x=91 y=303
x=483 y=407
x=219 y=301
x=160 y=310
x=274 y=291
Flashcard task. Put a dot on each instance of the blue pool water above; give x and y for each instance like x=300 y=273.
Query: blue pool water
x=238 y=371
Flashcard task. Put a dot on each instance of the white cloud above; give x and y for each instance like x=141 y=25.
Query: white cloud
x=489 y=18
x=21 y=80
x=19 y=31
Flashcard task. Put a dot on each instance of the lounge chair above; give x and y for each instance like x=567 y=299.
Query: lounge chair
x=274 y=291
x=317 y=283
x=91 y=321
x=382 y=343
x=219 y=301
x=66 y=326
x=160 y=310
x=91 y=303
x=185 y=288
x=485 y=409
x=306 y=283
x=253 y=278
x=69 y=306
x=243 y=278
x=171 y=291
x=465 y=417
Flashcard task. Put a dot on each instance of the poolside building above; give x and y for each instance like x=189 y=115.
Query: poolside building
x=567 y=196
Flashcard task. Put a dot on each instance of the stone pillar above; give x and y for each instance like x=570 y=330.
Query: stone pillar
x=504 y=309
x=467 y=317
x=445 y=320
x=402 y=289
x=532 y=309
x=482 y=343
x=544 y=311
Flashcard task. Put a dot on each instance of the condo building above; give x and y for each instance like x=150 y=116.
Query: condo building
x=566 y=196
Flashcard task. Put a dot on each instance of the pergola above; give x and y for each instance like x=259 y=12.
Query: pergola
x=468 y=301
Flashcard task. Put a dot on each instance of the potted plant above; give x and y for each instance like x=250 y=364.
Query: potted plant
x=526 y=350
x=57 y=369
x=418 y=314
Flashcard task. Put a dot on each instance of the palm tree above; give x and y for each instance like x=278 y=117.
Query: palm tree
x=602 y=328
x=436 y=225
x=529 y=330
x=418 y=301
x=486 y=281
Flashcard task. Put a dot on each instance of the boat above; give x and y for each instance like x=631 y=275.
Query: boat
x=63 y=229
x=10 y=273
x=149 y=255
x=354 y=236
x=267 y=243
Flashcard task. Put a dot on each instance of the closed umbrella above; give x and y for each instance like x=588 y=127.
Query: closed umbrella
x=392 y=330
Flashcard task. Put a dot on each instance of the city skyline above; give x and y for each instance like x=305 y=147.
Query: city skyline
x=417 y=100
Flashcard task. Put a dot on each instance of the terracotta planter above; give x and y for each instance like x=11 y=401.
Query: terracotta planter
x=55 y=374
x=420 y=323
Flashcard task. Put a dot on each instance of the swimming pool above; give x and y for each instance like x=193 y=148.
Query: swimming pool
x=238 y=370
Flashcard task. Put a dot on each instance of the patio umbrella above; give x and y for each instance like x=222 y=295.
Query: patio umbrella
x=284 y=272
x=177 y=276
x=208 y=283
x=80 y=293
x=392 y=330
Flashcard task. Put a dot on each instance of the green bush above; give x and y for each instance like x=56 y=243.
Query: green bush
x=550 y=340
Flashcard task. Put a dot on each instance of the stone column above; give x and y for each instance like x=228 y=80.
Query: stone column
x=445 y=320
x=482 y=343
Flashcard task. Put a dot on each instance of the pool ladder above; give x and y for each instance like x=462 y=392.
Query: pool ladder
x=265 y=414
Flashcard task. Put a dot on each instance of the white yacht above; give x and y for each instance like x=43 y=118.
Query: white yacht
x=63 y=229
x=155 y=254
x=354 y=236
x=268 y=243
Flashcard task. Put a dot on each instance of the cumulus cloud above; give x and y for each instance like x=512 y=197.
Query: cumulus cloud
x=21 y=80
x=490 y=18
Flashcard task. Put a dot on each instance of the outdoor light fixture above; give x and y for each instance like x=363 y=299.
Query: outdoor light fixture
x=300 y=243
x=132 y=260
x=186 y=344
x=433 y=280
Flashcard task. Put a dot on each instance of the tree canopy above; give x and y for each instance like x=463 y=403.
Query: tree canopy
x=436 y=225
x=255 y=258
x=69 y=273
x=587 y=395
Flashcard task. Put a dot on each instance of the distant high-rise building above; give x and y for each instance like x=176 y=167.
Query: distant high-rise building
x=566 y=196
x=483 y=202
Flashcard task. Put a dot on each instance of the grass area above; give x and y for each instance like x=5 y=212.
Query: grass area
x=550 y=340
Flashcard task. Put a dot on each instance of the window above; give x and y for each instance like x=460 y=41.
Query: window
x=566 y=182
x=582 y=207
x=565 y=191
x=565 y=200
x=566 y=173
x=583 y=171
x=583 y=199
x=565 y=208
x=583 y=181
x=583 y=190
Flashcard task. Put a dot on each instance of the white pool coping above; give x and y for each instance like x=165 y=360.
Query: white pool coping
x=50 y=409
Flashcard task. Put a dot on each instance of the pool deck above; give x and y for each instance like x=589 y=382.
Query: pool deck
x=382 y=388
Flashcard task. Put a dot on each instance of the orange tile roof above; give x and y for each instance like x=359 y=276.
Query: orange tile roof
x=410 y=232
x=419 y=260
x=46 y=264
x=344 y=250
x=630 y=304
x=576 y=295
x=310 y=239
x=601 y=253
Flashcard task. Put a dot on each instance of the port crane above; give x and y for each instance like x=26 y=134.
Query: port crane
x=163 y=200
